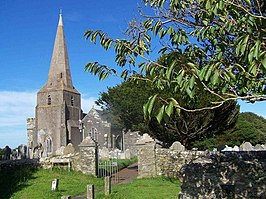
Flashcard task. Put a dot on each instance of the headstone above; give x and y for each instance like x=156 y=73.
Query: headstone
x=235 y=148
x=220 y=147
x=177 y=146
x=127 y=154
x=259 y=147
x=90 y=191
x=246 y=146
x=7 y=153
x=55 y=185
x=227 y=148
x=104 y=153
x=107 y=185
x=69 y=149
x=65 y=197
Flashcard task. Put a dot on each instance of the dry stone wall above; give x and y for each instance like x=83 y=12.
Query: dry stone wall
x=207 y=174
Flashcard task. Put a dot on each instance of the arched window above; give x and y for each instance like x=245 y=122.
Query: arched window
x=49 y=145
x=94 y=134
x=49 y=102
x=72 y=101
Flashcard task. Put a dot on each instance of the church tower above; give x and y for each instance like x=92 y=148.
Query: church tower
x=58 y=109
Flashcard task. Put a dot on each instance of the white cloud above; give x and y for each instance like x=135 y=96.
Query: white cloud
x=87 y=103
x=15 y=108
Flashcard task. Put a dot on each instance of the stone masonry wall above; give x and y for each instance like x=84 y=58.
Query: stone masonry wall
x=206 y=174
x=228 y=175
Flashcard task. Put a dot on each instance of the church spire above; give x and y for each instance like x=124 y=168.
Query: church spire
x=59 y=74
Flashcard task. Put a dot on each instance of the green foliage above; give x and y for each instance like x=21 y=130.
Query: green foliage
x=124 y=104
x=1 y=153
x=14 y=178
x=249 y=128
x=214 y=46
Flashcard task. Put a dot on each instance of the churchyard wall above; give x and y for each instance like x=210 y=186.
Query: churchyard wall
x=207 y=174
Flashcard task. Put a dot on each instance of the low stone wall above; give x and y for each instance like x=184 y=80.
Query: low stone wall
x=5 y=164
x=170 y=162
x=228 y=175
x=206 y=174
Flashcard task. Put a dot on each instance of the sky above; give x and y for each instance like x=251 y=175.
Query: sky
x=27 y=33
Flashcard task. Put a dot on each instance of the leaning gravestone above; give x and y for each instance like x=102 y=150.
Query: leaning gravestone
x=246 y=146
x=177 y=146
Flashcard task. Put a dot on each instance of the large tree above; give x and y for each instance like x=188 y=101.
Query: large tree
x=213 y=45
x=249 y=128
x=124 y=104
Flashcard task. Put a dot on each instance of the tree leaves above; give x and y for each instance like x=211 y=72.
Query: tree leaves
x=215 y=46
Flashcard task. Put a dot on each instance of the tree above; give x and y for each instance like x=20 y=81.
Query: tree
x=213 y=45
x=124 y=103
x=249 y=128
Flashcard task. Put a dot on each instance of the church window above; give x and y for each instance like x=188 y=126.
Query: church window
x=61 y=75
x=49 y=102
x=94 y=134
x=72 y=101
x=49 y=146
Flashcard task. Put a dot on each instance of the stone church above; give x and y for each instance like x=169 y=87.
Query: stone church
x=59 y=119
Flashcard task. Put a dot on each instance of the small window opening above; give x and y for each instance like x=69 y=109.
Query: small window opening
x=49 y=100
x=72 y=101
x=61 y=75
x=94 y=134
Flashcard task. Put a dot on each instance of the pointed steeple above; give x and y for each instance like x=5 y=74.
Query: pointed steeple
x=59 y=76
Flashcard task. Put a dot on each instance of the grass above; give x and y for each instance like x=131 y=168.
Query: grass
x=36 y=184
x=70 y=183
x=155 y=188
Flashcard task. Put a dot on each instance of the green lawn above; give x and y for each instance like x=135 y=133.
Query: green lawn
x=149 y=188
x=38 y=186
x=70 y=183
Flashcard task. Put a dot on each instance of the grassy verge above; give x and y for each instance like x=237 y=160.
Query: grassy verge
x=155 y=188
x=70 y=183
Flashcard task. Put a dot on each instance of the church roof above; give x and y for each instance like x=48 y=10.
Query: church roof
x=59 y=76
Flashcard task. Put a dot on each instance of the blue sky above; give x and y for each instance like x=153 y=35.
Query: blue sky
x=27 y=35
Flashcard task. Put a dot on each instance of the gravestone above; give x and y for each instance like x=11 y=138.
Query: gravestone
x=177 y=146
x=104 y=153
x=259 y=147
x=235 y=148
x=127 y=154
x=55 y=185
x=246 y=146
x=7 y=153
x=65 y=197
x=227 y=148
x=90 y=191
x=107 y=185
x=69 y=149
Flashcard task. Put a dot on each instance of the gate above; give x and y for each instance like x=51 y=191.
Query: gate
x=108 y=167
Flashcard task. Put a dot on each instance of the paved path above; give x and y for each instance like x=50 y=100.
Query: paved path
x=122 y=177
x=125 y=175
